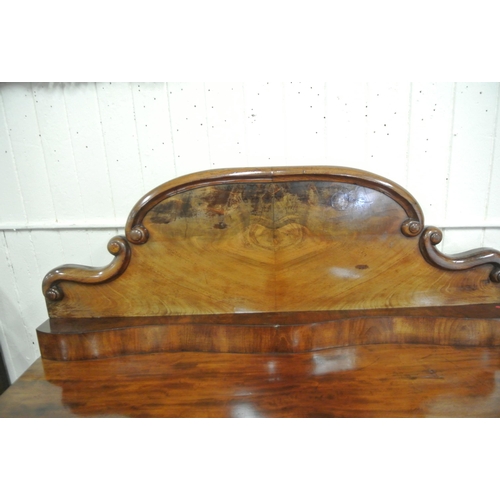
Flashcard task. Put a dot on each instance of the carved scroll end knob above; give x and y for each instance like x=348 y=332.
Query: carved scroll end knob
x=411 y=227
x=138 y=235
x=436 y=236
x=495 y=275
x=117 y=245
x=54 y=293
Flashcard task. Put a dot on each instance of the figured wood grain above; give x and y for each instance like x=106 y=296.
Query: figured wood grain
x=358 y=381
x=77 y=339
x=269 y=240
x=117 y=246
x=462 y=261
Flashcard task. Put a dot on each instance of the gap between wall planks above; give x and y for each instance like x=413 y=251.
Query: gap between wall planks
x=100 y=147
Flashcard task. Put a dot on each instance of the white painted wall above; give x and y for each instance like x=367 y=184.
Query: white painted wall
x=75 y=156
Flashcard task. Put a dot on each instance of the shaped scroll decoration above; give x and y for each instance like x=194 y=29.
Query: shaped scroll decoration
x=411 y=226
x=432 y=236
x=117 y=246
x=138 y=234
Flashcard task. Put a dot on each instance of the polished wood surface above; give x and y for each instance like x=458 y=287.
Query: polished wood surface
x=272 y=240
x=359 y=381
x=270 y=292
x=88 y=338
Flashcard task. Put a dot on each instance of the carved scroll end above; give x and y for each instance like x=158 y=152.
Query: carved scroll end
x=432 y=236
x=495 y=275
x=138 y=235
x=411 y=227
x=54 y=293
x=117 y=246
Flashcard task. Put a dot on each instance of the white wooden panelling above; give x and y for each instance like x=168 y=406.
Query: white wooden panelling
x=189 y=127
x=491 y=238
x=25 y=140
x=11 y=323
x=83 y=154
x=388 y=116
x=345 y=118
x=493 y=204
x=460 y=240
x=11 y=201
x=151 y=115
x=119 y=130
x=57 y=149
x=473 y=142
x=265 y=124
x=431 y=121
x=87 y=139
x=305 y=127
x=225 y=104
x=19 y=307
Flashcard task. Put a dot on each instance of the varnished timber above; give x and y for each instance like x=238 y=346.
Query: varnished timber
x=285 y=240
x=272 y=260
x=117 y=246
x=462 y=261
x=359 y=381
x=87 y=338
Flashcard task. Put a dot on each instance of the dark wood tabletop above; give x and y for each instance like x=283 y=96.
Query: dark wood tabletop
x=358 y=381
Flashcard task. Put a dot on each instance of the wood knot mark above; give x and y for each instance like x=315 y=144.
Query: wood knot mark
x=361 y=266
x=341 y=201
